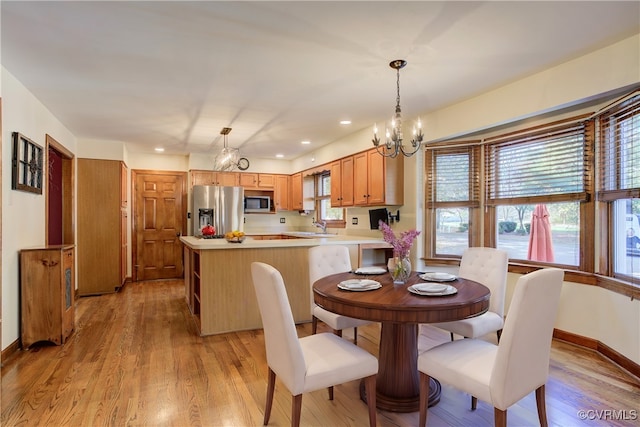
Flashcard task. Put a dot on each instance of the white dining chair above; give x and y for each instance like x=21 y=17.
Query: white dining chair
x=309 y=363
x=324 y=261
x=487 y=266
x=502 y=374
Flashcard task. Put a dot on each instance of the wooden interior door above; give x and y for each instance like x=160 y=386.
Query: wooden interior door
x=159 y=219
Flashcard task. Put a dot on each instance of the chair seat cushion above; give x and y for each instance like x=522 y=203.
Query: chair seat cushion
x=331 y=360
x=464 y=364
x=474 y=326
x=337 y=321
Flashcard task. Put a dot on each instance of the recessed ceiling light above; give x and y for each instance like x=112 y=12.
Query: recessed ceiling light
x=160 y=149
x=305 y=142
x=279 y=156
x=345 y=122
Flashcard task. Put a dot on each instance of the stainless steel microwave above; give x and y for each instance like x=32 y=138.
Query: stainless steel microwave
x=257 y=204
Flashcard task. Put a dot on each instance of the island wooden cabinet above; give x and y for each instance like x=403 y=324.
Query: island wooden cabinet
x=378 y=180
x=47 y=286
x=102 y=226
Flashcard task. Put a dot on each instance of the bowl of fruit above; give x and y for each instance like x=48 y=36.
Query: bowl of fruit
x=234 y=236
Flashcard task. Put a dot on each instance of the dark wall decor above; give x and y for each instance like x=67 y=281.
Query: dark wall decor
x=26 y=164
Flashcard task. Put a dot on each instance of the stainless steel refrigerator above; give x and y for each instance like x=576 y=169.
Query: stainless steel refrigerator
x=221 y=207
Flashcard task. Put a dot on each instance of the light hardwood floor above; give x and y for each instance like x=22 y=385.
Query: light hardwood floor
x=135 y=359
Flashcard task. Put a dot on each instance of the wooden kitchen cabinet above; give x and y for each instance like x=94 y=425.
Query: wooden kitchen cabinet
x=378 y=180
x=102 y=226
x=342 y=189
x=257 y=180
x=47 y=286
x=282 y=193
x=226 y=179
x=296 y=192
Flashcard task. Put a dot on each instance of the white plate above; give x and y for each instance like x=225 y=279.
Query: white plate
x=450 y=290
x=359 y=285
x=371 y=270
x=438 y=277
x=430 y=287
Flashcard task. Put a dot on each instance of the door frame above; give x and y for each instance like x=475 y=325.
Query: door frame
x=68 y=191
x=134 y=213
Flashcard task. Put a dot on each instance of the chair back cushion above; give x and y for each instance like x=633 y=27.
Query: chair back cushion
x=487 y=266
x=326 y=260
x=522 y=361
x=284 y=353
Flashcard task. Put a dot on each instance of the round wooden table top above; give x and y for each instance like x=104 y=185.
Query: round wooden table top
x=394 y=303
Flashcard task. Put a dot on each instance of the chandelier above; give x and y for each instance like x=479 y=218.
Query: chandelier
x=393 y=137
x=227 y=158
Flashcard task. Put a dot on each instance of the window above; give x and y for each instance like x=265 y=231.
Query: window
x=452 y=195
x=536 y=183
x=334 y=217
x=619 y=184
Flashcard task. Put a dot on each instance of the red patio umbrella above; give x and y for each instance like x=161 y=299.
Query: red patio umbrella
x=540 y=243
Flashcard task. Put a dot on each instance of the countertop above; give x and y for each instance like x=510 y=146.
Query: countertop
x=305 y=239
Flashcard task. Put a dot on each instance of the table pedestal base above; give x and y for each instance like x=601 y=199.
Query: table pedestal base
x=398 y=382
x=392 y=404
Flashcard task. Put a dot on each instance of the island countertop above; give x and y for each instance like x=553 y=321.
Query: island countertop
x=299 y=239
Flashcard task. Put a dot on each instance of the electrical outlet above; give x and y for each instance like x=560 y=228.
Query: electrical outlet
x=354 y=221
x=282 y=220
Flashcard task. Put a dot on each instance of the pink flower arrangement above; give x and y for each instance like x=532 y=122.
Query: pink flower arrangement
x=401 y=245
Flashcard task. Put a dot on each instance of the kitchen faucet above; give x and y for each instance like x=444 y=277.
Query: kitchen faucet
x=322 y=225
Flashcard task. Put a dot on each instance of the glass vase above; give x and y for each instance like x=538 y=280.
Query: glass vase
x=400 y=269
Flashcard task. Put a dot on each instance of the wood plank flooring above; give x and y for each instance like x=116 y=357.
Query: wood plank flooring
x=135 y=360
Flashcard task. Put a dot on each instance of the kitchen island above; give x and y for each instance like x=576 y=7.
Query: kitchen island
x=218 y=284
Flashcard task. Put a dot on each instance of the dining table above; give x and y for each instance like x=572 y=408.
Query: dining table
x=400 y=312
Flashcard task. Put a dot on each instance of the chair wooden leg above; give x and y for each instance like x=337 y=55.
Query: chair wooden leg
x=296 y=410
x=271 y=385
x=500 y=417
x=370 y=390
x=474 y=403
x=542 y=409
x=330 y=392
x=355 y=336
x=499 y=334
x=424 y=398
x=338 y=332
x=314 y=325
x=451 y=335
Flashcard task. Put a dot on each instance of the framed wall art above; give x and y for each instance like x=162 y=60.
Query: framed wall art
x=26 y=164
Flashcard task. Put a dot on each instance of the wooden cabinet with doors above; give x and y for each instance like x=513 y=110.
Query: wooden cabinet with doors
x=281 y=193
x=102 y=226
x=342 y=182
x=378 y=180
x=296 y=192
x=226 y=179
x=257 y=180
x=47 y=294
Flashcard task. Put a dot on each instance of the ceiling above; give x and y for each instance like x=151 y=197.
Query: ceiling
x=173 y=74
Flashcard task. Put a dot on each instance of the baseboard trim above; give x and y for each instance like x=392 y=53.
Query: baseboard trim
x=11 y=350
x=606 y=351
